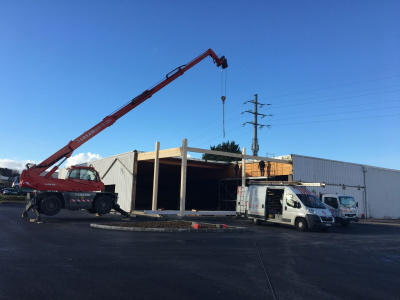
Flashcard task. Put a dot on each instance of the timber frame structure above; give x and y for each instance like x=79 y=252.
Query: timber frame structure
x=182 y=152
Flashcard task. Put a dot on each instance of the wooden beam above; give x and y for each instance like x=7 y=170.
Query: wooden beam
x=238 y=155
x=183 y=178
x=205 y=151
x=155 y=179
x=191 y=163
x=177 y=152
x=244 y=168
x=134 y=180
x=161 y=154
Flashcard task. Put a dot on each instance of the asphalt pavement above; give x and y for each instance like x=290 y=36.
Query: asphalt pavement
x=66 y=258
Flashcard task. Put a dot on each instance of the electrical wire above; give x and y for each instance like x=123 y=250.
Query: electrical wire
x=205 y=130
x=339 y=113
x=201 y=144
x=297 y=112
x=335 y=95
x=331 y=87
x=335 y=120
x=336 y=99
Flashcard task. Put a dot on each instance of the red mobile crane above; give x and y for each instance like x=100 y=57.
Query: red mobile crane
x=78 y=190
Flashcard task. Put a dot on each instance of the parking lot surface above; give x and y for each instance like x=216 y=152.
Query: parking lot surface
x=65 y=258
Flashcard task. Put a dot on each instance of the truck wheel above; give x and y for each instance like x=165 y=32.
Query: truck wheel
x=50 y=205
x=102 y=205
x=301 y=224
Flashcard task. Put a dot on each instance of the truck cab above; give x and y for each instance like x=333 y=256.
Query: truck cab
x=291 y=205
x=342 y=207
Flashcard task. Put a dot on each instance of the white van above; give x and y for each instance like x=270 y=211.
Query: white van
x=342 y=207
x=291 y=205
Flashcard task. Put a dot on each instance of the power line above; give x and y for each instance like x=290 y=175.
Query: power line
x=200 y=144
x=336 y=99
x=334 y=95
x=340 y=107
x=331 y=87
x=238 y=106
x=339 y=113
x=346 y=119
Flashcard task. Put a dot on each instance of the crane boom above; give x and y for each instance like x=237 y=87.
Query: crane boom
x=67 y=150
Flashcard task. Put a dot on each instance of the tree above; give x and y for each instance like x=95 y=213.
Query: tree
x=9 y=172
x=228 y=146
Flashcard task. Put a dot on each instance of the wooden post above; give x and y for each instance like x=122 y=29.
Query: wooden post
x=243 y=167
x=155 y=179
x=134 y=180
x=183 y=178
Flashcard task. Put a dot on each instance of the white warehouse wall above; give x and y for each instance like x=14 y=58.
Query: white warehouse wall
x=335 y=175
x=383 y=193
x=379 y=199
x=311 y=169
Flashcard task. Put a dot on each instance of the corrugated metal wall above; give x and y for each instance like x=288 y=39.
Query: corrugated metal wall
x=383 y=192
x=380 y=199
x=313 y=169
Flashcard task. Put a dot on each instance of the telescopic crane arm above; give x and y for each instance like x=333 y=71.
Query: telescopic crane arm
x=67 y=150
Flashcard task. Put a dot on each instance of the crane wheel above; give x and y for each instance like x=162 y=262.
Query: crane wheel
x=50 y=205
x=102 y=205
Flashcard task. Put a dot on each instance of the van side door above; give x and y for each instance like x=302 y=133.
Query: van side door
x=290 y=208
x=257 y=201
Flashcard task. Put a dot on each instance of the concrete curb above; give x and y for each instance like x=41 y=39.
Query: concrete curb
x=142 y=229
x=392 y=222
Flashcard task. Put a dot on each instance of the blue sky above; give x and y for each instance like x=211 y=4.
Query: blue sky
x=329 y=69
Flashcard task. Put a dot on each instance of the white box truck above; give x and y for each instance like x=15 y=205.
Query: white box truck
x=342 y=207
x=288 y=204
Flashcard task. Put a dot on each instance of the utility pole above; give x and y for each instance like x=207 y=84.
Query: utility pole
x=254 y=146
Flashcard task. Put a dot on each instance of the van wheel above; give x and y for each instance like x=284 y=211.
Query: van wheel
x=102 y=205
x=301 y=224
x=257 y=222
x=50 y=206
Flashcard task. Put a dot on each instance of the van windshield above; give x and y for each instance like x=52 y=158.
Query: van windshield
x=347 y=201
x=310 y=201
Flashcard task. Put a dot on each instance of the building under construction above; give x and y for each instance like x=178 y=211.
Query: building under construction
x=167 y=180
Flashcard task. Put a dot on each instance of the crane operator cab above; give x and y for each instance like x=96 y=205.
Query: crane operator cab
x=79 y=173
x=86 y=176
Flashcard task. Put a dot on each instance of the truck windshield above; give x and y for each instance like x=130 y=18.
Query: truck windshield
x=310 y=201
x=347 y=201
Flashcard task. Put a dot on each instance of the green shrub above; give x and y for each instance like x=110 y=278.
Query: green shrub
x=9 y=198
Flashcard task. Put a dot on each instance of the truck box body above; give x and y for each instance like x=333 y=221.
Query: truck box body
x=291 y=205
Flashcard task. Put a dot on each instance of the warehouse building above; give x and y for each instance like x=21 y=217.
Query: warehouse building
x=169 y=181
